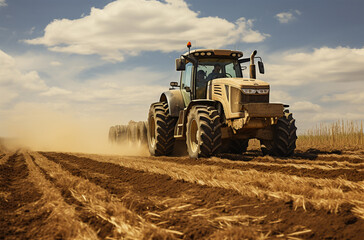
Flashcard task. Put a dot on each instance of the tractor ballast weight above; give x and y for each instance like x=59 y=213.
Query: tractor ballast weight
x=215 y=109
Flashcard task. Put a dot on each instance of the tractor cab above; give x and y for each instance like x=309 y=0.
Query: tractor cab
x=199 y=67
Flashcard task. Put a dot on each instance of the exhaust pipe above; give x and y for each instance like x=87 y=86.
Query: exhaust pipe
x=252 y=71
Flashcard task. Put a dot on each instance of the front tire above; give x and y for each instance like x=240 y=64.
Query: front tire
x=160 y=130
x=203 y=135
x=284 y=138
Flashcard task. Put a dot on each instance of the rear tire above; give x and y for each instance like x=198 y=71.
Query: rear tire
x=284 y=138
x=160 y=130
x=203 y=134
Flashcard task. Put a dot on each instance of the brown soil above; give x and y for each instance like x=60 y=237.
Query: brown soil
x=144 y=186
x=18 y=193
x=353 y=174
x=190 y=208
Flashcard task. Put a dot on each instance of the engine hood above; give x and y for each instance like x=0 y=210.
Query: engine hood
x=241 y=82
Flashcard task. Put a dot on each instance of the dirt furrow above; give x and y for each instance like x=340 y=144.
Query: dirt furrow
x=106 y=214
x=277 y=217
x=322 y=193
x=154 y=196
x=5 y=157
x=333 y=164
x=63 y=221
x=17 y=193
x=259 y=164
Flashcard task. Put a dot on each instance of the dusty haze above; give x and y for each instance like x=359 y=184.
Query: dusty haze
x=45 y=130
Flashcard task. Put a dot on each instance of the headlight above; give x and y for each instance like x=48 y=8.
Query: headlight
x=249 y=91
x=255 y=91
x=263 y=91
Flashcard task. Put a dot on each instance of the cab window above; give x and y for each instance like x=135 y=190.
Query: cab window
x=186 y=76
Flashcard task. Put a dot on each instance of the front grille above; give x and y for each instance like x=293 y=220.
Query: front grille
x=254 y=98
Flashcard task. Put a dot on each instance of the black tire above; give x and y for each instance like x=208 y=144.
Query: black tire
x=284 y=138
x=160 y=132
x=112 y=134
x=203 y=134
x=142 y=133
x=235 y=146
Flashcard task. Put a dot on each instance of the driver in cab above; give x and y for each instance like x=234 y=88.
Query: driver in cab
x=215 y=73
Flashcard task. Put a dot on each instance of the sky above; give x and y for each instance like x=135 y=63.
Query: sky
x=92 y=64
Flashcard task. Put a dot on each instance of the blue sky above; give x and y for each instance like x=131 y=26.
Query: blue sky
x=103 y=62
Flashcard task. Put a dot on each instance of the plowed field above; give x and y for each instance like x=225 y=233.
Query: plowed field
x=55 y=195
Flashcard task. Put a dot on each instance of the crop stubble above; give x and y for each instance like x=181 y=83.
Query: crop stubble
x=98 y=196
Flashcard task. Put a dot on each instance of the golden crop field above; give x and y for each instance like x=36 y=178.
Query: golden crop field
x=342 y=134
x=315 y=194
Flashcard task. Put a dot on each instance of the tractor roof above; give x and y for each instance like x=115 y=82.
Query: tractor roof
x=215 y=52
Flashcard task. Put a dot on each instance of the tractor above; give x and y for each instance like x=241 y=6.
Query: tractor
x=215 y=109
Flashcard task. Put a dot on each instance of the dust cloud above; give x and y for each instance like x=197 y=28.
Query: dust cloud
x=44 y=130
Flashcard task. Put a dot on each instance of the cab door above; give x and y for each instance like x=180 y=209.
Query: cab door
x=186 y=83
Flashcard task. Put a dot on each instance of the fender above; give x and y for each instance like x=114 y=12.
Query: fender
x=201 y=102
x=175 y=101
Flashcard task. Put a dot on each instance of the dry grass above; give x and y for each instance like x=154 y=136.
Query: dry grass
x=338 y=135
x=98 y=202
x=62 y=220
x=326 y=194
x=4 y=157
x=298 y=164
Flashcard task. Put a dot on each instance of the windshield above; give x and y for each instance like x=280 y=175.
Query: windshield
x=218 y=68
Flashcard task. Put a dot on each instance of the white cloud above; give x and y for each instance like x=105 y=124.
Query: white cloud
x=122 y=88
x=280 y=96
x=12 y=77
x=7 y=95
x=128 y=27
x=3 y=3
x=19 y=85
x=55 y=91
x=353 y=97
x=305 y=106
x=286 y=17
x=324 y=84
x=55 y=63
x=296 y=68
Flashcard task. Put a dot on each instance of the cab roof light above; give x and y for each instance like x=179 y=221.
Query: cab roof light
x=189 y=47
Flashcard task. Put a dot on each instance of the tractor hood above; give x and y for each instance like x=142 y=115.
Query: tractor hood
x=241 y=82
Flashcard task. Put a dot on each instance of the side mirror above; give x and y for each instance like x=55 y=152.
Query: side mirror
x=174 y=84
x=261 y=67
x=180 y=64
